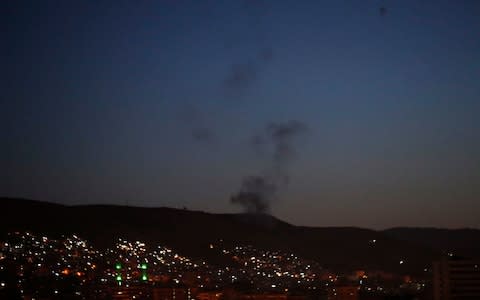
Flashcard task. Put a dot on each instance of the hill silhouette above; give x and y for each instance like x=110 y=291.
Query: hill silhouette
x=191 y=232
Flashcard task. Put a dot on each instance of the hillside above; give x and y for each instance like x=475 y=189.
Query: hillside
x=462 y=242
x=190 y=232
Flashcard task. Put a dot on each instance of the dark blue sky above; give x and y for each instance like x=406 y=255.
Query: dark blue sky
x=155 y=103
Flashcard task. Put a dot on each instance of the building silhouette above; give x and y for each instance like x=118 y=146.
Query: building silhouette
x=456 y=279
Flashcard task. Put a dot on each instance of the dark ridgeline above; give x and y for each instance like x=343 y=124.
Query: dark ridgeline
x=464 y=242
x=190 y=232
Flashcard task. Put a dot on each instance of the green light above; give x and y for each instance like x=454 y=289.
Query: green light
x=144 y=277
x=118 y=266
x=143 y=266
x=119 y=278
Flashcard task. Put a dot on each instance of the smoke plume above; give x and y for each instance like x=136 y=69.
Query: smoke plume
x=257 y=192
x=198 y=125
x=203 y=134
x=240 y=76
x=282 y=135
x=244 y=72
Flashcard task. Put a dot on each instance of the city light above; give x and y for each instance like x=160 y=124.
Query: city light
x=269 y=271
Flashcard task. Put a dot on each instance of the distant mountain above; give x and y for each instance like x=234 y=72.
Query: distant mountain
x=461 y=242
x=190 y=233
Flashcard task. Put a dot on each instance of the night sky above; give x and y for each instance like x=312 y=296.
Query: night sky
x=176 y=103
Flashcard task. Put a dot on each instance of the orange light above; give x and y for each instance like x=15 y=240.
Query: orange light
x=65 y=272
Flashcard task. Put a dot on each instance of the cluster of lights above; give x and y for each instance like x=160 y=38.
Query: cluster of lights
x=60 y=260
x=268 y=269
x=130 y=263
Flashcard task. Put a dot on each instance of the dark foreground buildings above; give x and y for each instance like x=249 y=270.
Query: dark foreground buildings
x=456 y=279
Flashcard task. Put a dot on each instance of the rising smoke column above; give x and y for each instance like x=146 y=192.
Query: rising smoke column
x=283 y=136
x=255 y=194
x=258 y=192
x=245 y=71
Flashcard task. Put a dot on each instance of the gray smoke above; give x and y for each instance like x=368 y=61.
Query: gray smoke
x=257 y=193
x=282 y=136
x=203 y=134
x=198 y=125
x=241 y=76
x=266 y=54
x=243 y=73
